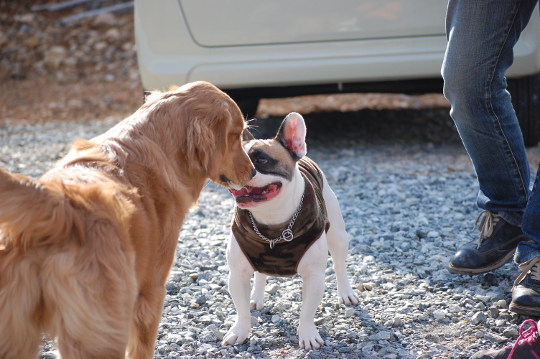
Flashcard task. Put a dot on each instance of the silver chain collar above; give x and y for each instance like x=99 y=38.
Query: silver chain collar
x=287 y=235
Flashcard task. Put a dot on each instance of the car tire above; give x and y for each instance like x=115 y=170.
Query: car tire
x=525 y=93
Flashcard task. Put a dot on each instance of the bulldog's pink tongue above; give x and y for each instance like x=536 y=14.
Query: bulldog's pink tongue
x=248 y=196
x=241 y=192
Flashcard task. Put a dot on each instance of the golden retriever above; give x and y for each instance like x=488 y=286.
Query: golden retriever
x=85 y=251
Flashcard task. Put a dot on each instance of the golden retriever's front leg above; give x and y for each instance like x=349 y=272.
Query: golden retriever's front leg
x=153 y=273
x=144 y=327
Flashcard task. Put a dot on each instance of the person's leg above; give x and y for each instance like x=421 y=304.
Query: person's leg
x=481 y=37
x=526 y=251
x=526 y=291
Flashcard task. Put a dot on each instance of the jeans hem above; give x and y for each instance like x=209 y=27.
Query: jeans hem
x=525 y=258
x=511 y=218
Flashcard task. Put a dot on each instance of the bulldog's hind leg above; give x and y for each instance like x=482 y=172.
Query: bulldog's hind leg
x=338 y=245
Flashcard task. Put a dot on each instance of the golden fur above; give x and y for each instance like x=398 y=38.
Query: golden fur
x=85 y=251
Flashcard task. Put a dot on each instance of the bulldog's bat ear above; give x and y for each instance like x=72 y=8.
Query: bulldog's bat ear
x=292 y=135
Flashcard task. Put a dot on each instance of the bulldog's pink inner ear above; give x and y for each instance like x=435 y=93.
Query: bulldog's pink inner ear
x=295 y=134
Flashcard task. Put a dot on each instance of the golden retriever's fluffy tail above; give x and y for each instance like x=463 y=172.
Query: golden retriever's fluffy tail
x=66 y=265
x=32 y=213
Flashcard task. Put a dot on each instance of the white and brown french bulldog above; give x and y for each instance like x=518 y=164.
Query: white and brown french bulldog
x=286 y=220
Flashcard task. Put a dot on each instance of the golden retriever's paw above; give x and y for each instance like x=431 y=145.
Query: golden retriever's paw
x=308 y=337
x=237 y=334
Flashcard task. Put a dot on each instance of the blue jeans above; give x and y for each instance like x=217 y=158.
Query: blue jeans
x=481 y=36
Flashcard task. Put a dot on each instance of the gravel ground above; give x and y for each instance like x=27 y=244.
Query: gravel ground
x=407 y=192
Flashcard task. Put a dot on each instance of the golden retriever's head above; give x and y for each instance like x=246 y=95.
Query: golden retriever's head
x=211 y=125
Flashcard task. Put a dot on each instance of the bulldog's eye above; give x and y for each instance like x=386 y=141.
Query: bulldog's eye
x=262 y=161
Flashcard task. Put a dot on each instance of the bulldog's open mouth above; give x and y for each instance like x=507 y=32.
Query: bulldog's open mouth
x=252 y=195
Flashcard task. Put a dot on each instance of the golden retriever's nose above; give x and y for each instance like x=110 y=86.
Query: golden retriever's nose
x=253 y=173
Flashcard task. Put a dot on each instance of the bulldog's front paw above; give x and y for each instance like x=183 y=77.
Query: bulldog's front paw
x=237 y=334
x=346 y=295
x=257 y=301
x=308 y=337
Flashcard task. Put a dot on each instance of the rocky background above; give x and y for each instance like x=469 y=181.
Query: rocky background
x=80 y=70
x=55 y=68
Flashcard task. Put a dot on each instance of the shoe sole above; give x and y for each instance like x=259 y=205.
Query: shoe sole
x=519 y=309
x=474 y=271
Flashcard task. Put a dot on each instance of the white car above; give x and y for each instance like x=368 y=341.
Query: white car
x=280 y=48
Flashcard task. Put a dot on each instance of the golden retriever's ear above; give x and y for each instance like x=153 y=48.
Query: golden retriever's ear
x=220 y=127
x=201 y=143
x=208 y=114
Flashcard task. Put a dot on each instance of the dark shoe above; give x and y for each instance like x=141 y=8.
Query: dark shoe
x=527 y=346
x=496 y=246
x=526 y=291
